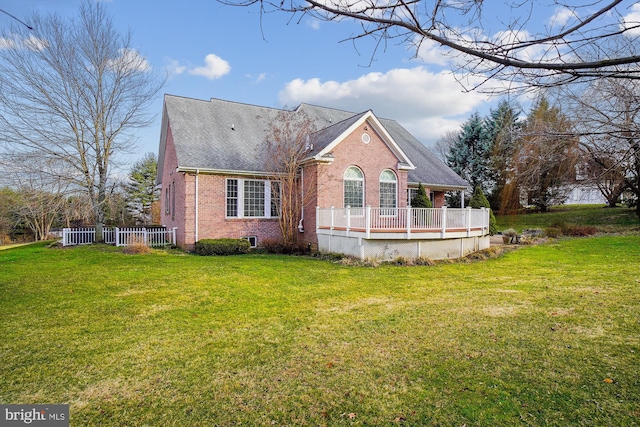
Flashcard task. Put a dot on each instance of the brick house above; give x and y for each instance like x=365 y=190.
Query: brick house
x=363 y=171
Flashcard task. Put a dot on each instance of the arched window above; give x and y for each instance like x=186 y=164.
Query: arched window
x=388 y=189
x=353 y=187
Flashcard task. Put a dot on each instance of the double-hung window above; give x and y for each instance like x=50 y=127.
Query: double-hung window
x=252 y=198
x=353 y=187
x=388 y=192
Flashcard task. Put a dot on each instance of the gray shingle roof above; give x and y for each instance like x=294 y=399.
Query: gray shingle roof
x=229 y=136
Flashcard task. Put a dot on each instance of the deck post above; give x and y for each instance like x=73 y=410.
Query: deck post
x=367 y=220
x=468 y=215
x=173 y=236
x=117 y=235
x=485 y=221
x=348 y=225
x=332 y=222
x=409 y=221
x=443 y=219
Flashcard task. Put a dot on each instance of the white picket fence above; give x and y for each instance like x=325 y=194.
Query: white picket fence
x=121 y=236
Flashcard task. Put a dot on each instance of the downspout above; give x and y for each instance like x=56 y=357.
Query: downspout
x=196 y=207
x=300 y=225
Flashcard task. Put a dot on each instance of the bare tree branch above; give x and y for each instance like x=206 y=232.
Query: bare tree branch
x=519 y=52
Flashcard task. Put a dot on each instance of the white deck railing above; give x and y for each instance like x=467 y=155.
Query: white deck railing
x=154 y=236
x=404 y=220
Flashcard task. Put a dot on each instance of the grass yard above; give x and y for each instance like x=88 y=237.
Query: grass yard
x=544 y=336
x=606 y=219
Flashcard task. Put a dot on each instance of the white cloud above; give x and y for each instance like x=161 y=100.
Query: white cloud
x=7 y=43
x=32 y=43
x=174 y=68
x=215 y=67
x=561 y=17
x=632 y=20
x=35 y=43
x=431 y=52
x=427 y=104
x=313 y=23
x=130 y=59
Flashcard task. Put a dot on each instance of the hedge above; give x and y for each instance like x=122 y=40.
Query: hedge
x=222 y=246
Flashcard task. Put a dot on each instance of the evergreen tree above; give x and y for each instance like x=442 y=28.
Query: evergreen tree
x=421 y=200
x=479 y=200
x=547 y=156
x=469 y=155
x=502 y=129
x=141 y=189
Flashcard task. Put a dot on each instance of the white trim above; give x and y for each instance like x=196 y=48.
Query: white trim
x=196 y=207
x=344 y=179
x=394 y=182
x=373 y=121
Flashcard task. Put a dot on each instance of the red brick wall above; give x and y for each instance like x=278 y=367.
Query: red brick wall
x=213 y=223
x=178 y=182
x=371 y=158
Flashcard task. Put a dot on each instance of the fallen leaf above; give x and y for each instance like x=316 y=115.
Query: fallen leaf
x=352 y=416
x=608 y=380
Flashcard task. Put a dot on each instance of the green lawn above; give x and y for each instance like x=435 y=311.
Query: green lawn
x=605 y=219
x=545 y=335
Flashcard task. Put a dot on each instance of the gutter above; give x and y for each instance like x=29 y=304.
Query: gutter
x=222 y=171
x=196 y=207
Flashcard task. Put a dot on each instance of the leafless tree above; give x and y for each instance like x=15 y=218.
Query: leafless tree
x=517 y=51
x=39 y=200
x=606 y=115
x=545 y=163
x=74 y=91
x=287 y=146
x=7 y=221
x=444 y=144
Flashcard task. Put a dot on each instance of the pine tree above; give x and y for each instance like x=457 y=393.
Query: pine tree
x=141 y=189
x=421 y=200
x=479 y=200
x=469 y=156
x=502 y=129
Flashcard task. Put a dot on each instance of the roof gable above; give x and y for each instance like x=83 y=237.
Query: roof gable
x=335 y=134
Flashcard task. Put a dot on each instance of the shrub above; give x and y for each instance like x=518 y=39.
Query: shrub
x=479 y=200
x=138 y=248
x=278 y=247
x=580 y=230
x=574 y=230
x=552 y=232
x=421 y=200
x=222 y=246
x=423 y=260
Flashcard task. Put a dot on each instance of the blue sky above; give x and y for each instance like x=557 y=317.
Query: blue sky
x=209 y=50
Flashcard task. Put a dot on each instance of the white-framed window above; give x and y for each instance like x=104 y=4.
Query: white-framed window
x=411 y=194
x=252 y=198
x=388 y=192
x=173 y=201
x=353 y=187
x=167 y=200
x=253 y=241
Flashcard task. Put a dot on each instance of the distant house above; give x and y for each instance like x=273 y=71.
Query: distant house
x=365 y=170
